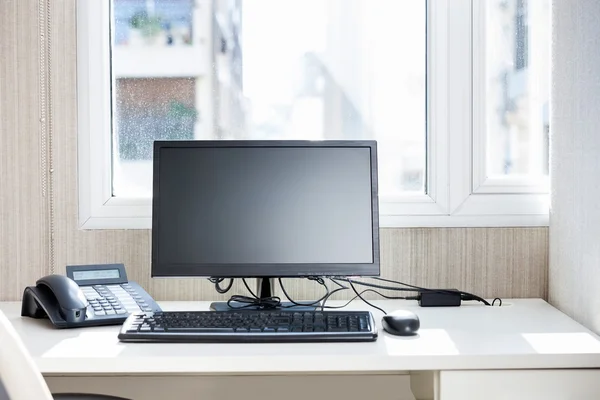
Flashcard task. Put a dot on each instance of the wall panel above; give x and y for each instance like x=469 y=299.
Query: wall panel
x=24 y=174
x=575 y=215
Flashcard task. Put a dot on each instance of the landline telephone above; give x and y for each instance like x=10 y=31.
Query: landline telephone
x=89 y=295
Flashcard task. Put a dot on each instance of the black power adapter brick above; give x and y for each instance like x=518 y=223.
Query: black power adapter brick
x=440 y=298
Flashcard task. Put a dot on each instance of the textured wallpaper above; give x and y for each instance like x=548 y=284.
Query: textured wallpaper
x=575 y=213
x=38 y=192
x=24 y=172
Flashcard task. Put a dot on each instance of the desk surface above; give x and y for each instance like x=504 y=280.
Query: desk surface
x=522 y=334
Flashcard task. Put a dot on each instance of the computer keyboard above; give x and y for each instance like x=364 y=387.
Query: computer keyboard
x=249 y=326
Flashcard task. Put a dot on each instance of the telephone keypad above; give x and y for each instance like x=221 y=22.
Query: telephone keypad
x=114 y=299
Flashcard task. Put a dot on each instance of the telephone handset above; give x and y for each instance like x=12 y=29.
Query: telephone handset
x=88 y=295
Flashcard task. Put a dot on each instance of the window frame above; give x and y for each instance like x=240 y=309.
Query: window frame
x=458 y=194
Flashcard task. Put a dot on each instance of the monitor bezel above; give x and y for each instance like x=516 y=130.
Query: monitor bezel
x=264 y=270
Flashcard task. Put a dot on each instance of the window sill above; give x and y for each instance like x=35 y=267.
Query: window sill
x=477 y=211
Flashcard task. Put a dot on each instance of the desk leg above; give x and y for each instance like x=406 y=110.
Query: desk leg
x=422 y=384
x=519 y=384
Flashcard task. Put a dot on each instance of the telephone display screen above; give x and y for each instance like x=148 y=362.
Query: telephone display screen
x=96 y=274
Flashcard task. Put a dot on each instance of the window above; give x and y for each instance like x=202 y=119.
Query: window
x=514 y=105
x=261 y=74
x=460 y=127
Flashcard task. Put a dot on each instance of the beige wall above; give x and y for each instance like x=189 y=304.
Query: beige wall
x=38 y=209
x=24 y=217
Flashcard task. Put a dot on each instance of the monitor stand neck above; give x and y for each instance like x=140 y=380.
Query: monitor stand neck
x=264 y=289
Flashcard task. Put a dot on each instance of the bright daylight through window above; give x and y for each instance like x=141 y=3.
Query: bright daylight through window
x=456 y=93
x=517 y=87
x=269 y=69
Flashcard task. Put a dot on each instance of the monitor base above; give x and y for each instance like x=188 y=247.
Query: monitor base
x=285 y=306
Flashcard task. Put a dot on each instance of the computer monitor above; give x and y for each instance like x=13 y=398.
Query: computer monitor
x=265 y=209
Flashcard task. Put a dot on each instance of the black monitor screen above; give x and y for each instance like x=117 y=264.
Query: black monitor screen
x=231 y=208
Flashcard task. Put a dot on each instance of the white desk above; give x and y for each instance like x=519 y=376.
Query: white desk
x=525 y=349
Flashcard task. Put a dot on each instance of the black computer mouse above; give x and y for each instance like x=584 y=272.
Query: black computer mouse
x=401 y=323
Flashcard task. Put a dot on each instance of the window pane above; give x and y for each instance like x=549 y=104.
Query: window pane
x=269 y=69
x=517 y=86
